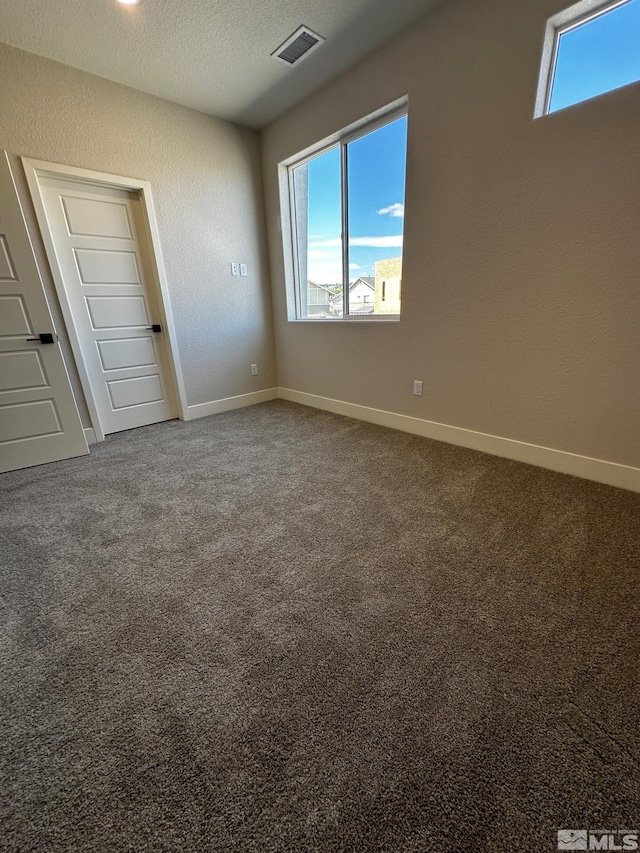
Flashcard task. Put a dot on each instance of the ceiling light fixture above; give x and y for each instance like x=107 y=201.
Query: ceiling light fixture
x=128 y=2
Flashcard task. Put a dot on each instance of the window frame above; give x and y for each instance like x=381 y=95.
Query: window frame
x=374 y=121
x=557 y=25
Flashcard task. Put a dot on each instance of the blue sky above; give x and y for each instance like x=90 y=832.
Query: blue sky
x=376 y=204
x=598 y=56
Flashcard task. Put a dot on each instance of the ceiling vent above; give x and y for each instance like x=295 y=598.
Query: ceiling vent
x=300 y=44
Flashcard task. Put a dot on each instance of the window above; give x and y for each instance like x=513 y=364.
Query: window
x=590 y=49
x=346 y=203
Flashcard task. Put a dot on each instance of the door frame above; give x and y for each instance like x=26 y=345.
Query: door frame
x=36 y=169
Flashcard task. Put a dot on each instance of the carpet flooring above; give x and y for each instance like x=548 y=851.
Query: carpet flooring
x=277 y=629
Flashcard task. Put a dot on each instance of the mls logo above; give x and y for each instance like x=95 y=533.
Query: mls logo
x=573 y=839
x=598 y=839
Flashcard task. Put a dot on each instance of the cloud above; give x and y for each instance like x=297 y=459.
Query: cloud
x=320 y=253
x=329 y=243
x=324 y=271
x=396 y=210
x=394 y=242
x=378 y=242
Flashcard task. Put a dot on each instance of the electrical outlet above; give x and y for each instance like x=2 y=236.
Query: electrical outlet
x=417 y=387
x=234 y=268
x=254 y=369
x=243 y=269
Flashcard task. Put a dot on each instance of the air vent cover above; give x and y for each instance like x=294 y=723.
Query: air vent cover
x=298 y=45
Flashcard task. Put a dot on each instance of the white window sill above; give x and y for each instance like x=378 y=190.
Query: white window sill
x=324 y=320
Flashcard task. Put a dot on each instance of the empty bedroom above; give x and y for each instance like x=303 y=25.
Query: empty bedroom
x=319 y=426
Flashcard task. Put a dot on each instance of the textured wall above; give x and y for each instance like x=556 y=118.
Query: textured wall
x=521 y=276
x=206 y=183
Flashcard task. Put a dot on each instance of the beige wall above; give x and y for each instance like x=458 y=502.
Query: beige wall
x=206 y=183
x=521 y=275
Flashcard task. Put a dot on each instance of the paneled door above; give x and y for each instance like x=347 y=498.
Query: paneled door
x=39 y=420
x=101 y=248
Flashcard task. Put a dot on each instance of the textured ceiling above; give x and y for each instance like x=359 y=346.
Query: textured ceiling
x=212 y=55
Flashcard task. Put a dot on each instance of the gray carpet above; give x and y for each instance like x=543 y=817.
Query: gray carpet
x=281 y=630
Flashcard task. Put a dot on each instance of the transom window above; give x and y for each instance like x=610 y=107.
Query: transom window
x=345 y=234
x=590 y=49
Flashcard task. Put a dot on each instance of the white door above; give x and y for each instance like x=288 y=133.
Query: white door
x=102 y=252
x=39 y=420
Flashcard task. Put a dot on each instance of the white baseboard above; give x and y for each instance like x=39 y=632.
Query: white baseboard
x=90 y=436
x=610 y=473
x=202 y=410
